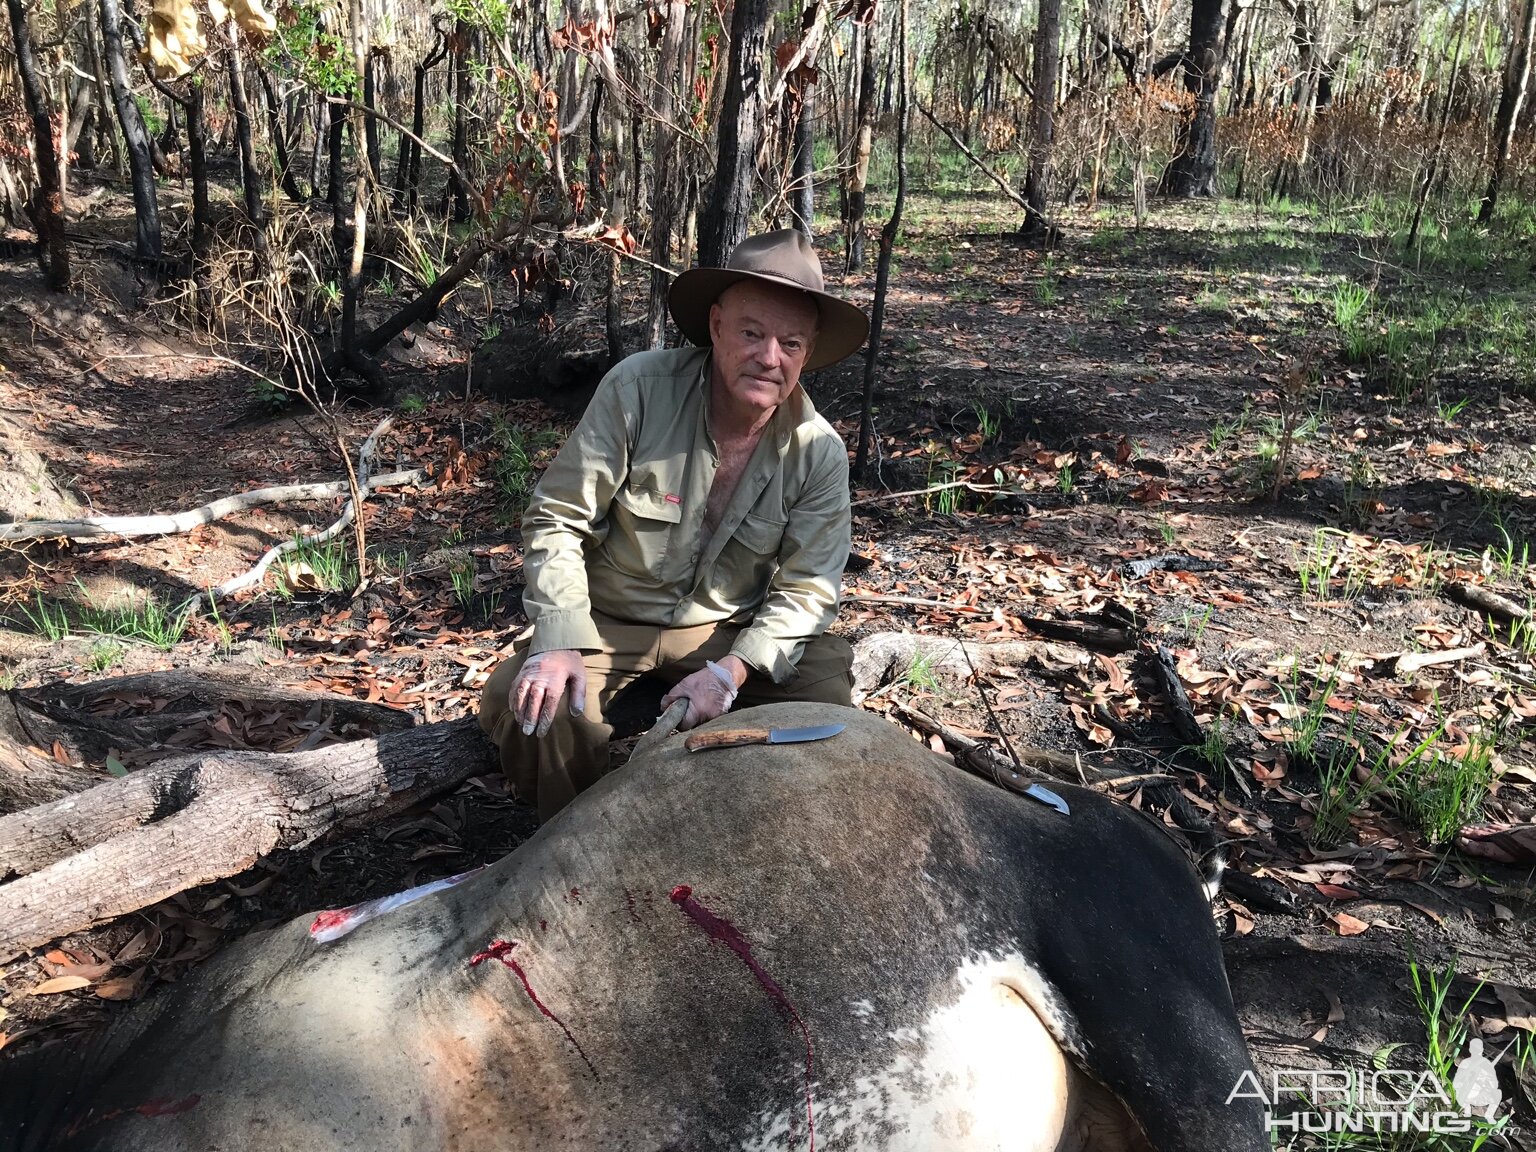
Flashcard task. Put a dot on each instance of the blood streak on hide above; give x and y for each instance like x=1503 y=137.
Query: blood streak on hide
x=502 y=950
x=721 y=929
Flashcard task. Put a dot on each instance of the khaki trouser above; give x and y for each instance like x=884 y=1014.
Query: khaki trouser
x=573 y=755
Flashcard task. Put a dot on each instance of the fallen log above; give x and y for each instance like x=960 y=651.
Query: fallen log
x=142 y=838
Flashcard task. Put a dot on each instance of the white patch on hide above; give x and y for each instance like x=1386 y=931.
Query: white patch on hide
x=980 y=1072
x=863 y=1009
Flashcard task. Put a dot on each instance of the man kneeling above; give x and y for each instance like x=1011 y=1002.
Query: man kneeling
x=694 y=526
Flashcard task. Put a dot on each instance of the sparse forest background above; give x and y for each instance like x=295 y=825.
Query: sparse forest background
x=314 y=178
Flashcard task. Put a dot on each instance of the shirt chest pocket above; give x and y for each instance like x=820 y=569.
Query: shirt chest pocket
x=640 y=531
x=760 y=534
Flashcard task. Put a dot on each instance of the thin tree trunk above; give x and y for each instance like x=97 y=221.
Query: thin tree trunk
x=461 y=39
x=46 y=207
x=335 y=141
x=370 y=123
x=863 y=144
x=408 y=178
x=323 y=116
x=1432 y=168
x=202 y=212
x=740 y=125
x=665 y=178
x=1037 y=179
x=888 y=236
x=285 y=176
x=1517 y=79
x=140 y=164
x=250 y=179
x=99 y=79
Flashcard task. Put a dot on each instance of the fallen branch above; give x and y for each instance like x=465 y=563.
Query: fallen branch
x=1410 y=662
x=348 y=513
x=974 y=159
x=172 y=524
x=144 y=837
x=968 y=485
x=1088 y=635
x=983 y=761
x=1482 y=600
x=916 y=602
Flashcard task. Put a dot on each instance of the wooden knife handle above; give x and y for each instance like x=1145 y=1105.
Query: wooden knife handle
x=725 y=738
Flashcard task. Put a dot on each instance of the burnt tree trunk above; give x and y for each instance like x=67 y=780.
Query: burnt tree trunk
x=461 y=38
x=888 y=236
x=371 y=123
x=864 y=137
x=1042 y=118
x=1517 y=79
x=666 y=180
x=140 y=163
x=408 y=176
x=202 y=211
x=1192 y=171
x=45 y=208
x=730 y=202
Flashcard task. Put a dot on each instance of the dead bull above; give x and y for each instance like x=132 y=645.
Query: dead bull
x=846 y=945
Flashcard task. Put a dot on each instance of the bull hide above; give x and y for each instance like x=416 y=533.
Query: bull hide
x=723 y=949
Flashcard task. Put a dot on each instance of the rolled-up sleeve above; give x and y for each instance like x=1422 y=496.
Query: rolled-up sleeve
x=566 y=518
x=802 y=596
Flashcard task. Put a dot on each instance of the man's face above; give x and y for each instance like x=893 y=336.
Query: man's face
x=762 y=337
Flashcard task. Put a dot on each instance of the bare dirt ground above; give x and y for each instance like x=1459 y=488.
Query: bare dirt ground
x=1128 y=397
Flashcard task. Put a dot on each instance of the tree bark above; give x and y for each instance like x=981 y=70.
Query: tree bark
x=803 y=166
x=1043 y=118
x=129 y=843
x=1517 y=79
x=45 y=208
x=1192 y=171
x=864 y=136
x=730 y=203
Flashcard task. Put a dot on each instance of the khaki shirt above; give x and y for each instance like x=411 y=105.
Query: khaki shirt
x=616 y=522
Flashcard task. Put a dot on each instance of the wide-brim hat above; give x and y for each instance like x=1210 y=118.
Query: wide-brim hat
x=787 y=259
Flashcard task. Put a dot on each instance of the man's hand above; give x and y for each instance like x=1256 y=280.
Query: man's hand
x=710 y=692
x=542 y=680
